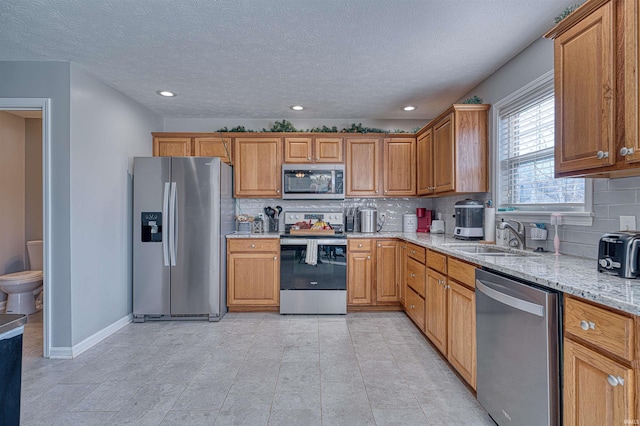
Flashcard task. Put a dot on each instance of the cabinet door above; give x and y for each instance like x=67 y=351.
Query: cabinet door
x=329 y=150
x=363 y=167
x=387 y=289
x=461 y=331
x=297 y=150
x=444 y=165
x=360 y=278
x=253 y=279
x=424 y=162
x=585 y=92
x=415 y=308
x=632 y=81
x=257 y=167
x=436 y=310
x=402 y=268
x=171 y=147
x=597 y=390
x=399 y=162
x=213 y=147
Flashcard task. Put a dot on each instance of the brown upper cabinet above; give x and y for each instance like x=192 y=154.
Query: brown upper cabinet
x=257 y=167
x=192 y=144
x=596 y=90
x=424 y=163
x=399 y=167
x=363 y=167
x=167 y=146
x=313 y=149
x=453 y=152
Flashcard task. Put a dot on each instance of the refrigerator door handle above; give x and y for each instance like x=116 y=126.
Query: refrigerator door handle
x=173 y=224
x=165 y=209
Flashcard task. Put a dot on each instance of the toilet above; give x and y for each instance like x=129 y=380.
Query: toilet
x=23 y=287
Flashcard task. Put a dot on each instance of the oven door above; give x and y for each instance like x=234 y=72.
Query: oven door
x=330 y=272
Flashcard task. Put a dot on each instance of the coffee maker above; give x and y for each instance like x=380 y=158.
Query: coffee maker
x=424 y=219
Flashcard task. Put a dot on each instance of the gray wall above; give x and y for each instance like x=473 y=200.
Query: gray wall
x=50 y=79
x=107 y=130
x=12 y=242
x=611 y=197
x=33 y=179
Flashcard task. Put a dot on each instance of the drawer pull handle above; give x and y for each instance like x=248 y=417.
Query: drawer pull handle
x=253 y=246
x=412 y=275
x=275 y=257
x=615 y=381
x=359 y=245
x=379 y=245
x=308 y=158
x=602 y=154
x=368 y=257
x=586 y=325
x=413 y=252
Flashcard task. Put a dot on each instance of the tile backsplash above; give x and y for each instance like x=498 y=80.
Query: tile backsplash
x=611 y=199
x=393 y=208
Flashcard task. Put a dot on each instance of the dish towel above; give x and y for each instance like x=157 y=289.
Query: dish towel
x=312 y=252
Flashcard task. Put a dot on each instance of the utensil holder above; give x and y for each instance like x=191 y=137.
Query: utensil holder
x=274 y=225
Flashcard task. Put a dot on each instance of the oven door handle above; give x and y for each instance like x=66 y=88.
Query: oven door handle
x=321 y=242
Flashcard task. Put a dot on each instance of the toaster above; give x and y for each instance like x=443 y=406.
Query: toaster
x=619 y=253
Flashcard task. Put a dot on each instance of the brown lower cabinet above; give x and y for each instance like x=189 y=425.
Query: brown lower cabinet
x=253 y=273
x=372 y=273
x=601 y=366
x=440 y=299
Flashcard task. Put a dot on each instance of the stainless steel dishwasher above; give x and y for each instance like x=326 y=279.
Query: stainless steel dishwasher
x=518 y=349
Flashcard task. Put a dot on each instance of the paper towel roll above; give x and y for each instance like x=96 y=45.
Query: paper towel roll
x=489 y=224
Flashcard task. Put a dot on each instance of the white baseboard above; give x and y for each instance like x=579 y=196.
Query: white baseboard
x=69 y=353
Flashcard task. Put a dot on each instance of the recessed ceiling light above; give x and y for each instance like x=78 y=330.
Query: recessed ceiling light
x=166 y=93
x=297 y=107
x=409 y=108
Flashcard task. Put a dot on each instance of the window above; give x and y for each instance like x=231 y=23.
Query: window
x=525 y=164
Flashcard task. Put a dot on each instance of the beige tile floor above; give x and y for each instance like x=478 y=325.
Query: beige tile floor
x=249 y=369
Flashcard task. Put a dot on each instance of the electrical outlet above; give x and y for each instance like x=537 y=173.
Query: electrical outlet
x=382 y=216
x=627 y=223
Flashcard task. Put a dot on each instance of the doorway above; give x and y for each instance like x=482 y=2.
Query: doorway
x=22 y=106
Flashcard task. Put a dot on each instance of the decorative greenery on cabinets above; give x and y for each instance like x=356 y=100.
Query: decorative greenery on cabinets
x=568 y=11
x=286 y=126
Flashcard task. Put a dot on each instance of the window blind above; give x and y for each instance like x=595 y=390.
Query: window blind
x=526 y=156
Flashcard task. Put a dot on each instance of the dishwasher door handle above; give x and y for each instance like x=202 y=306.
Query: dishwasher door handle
x=514 y=302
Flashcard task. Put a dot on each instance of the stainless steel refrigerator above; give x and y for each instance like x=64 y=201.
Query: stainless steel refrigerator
x=182 y=210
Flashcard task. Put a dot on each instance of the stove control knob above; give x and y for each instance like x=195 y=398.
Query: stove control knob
x=297 y=217
x=605 y=263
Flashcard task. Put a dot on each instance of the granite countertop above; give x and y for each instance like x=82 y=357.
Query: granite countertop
x=569 y=274
x=10 y=322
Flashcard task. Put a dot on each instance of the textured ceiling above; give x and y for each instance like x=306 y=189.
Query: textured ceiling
x=255 y=58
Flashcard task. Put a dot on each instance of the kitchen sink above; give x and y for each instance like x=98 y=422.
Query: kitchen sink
x=490 y=250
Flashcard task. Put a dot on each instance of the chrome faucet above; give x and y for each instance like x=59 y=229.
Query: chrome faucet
x=519 y=233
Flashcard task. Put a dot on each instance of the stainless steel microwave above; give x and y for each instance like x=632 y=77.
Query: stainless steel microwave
x=313 y=181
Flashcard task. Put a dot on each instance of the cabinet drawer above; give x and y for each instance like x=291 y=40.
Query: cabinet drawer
x=608 y=330
x=416 y=252
x=253 y=244
x=462 y=272
x=414 y=307
x=358 y=244
x=437 y=261
x=415 y=276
